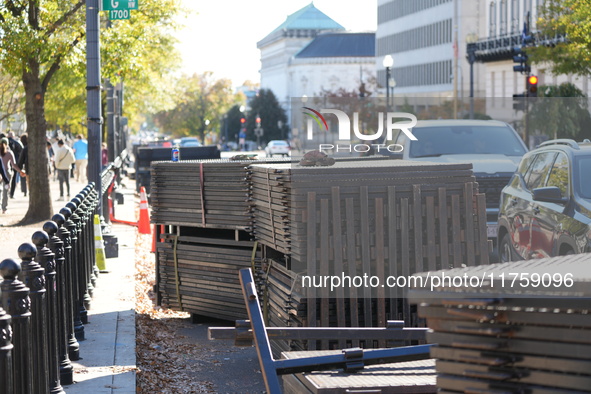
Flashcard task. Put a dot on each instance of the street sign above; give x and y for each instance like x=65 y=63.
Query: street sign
x=258 y=131
x=111 y=5
x=119 y=14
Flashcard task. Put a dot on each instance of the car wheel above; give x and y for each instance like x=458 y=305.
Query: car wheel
x=506 y=249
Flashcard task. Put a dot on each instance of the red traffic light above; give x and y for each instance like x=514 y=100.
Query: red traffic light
x=242 y=120
x=258 y=120
x=533 y=80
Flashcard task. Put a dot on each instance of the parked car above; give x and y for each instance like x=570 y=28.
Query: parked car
x=277 y=147
x=190 y=141
x=546 y=208
x=492 y=147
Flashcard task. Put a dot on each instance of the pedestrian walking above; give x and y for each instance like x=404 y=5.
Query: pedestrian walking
x=50 y=160
x=23 y=162
x=16 y=147
x=64 y=157
x=80 y=148
x=8 y=165
x=104 y=155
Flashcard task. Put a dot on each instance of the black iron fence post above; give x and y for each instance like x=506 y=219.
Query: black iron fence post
x=70 y=225
x=78 y=260
x=46 y=259
x=56 y=245
x=32 y=275
x=16 y=302
x=6 y=347
x=64 y=235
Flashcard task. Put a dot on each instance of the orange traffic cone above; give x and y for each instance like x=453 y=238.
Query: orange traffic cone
x=144 y=222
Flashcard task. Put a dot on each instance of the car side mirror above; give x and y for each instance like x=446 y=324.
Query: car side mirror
x=549 y=194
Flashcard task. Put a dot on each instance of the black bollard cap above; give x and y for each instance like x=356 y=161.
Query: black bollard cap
x=59 y=219
x=9 y=269
x=66 y=212
x=40 y=239
x=50 y=227
x=27 y=251
x=72 y=206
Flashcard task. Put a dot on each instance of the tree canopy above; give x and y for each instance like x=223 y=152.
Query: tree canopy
x=43 y=44
x=199 y=105
x=561 y=112
x=571 y=20
x=273 y=118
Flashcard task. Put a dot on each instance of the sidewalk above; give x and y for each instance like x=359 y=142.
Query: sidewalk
x=107 y=363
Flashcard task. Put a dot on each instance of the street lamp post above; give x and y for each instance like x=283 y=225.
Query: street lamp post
x=392 y=86
x=388 y=62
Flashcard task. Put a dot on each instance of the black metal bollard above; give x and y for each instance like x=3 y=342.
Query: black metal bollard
x=33 y=275
x=15 y=301
x=46 y=259
x=83 y=298
x=75 y=326
x=6 y=347
x=66 y=371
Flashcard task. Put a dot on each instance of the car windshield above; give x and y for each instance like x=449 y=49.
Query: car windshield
x=583 y=167
x=459 y=140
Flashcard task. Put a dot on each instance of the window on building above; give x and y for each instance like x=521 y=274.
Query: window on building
x=492 y=19
x=503 y=18
x=514 y=16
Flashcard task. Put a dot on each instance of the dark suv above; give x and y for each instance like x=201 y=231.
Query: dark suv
x=546 y=208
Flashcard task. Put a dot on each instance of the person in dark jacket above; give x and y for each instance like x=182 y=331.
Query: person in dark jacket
x=16 y=147
x=23 y=162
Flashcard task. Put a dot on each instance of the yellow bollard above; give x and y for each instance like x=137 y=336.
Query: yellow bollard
x=99 y=246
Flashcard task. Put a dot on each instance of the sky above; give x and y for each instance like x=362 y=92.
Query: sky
x=221 y=36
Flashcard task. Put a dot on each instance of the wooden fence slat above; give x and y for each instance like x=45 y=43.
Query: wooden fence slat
x=393 y=292
x=311 y=263
x=380 y=269
x=338 y=256
x=469 y=220
x=443 y=239
x=430 y=216
x=365 y=254
x=352 y=264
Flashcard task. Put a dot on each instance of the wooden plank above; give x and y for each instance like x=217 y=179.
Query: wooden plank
x=311 y=263
x=380 y=269
x=431 y=242
x=405 y=262
x=365 y=253
x=469 y=223
x=323 y=235
x=338 y=256
x=351 y=262
x=393 y=292
x=418 y=229
x=481 y=211
x=456 y=231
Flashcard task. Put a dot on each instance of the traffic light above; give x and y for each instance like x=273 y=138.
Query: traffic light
x=519 y=102
x=258 y=120
x=242 y=121
x=532 y=86
x=520 y=57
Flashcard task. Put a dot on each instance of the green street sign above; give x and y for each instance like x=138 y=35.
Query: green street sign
x=119 y=14
x=111 y=5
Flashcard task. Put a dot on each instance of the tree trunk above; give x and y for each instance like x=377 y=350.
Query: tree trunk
x=40 y=207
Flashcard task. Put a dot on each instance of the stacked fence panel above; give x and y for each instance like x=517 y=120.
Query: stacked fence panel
x=517 y=327
x=380 y=218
